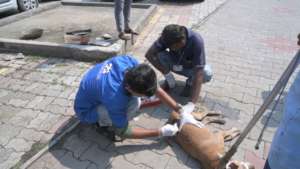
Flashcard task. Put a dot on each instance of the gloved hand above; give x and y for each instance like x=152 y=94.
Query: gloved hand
x=188 y=118
x=188 y=108
x=170 y=80
x=169 y=130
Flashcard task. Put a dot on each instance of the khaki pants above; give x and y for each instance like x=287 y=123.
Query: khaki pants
x=132 y=111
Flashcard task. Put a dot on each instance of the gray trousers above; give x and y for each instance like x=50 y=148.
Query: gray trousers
x=122 y=14
x=132 y=111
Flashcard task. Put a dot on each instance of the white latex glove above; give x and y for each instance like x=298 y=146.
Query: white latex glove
x=170 y=80
x=188 y=108
x=169 y=130
x=188 y=118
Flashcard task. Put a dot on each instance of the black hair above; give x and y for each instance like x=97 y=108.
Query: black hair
x=141 y=79
x=172 y=34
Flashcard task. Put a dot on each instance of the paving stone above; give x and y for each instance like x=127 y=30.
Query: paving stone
x=68 y=161
x=76 y=145
x=44 y=121
x=18 y=102
x=72 y=96
x=92 y=166
x=35 y=101
x=52 y=92
x=67 y=80
x=20 y=145
x=50 y=78
x=8 y=132
x=89 y=134
x=56 y=109
x=4 y=154
x=24 y=117
x=153 y=160
x=61 y=102
x=92 y=154
x=174 y=163
x=7 y=112
x=12 y=160
x=60 y=125
x=45 y=102
x=120 y=162
x=30 y=135
x=32 y=87
x=66 y=93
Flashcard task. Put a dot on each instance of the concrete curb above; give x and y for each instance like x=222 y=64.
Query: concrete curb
x=78 y=52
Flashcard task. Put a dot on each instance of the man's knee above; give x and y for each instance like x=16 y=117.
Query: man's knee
x=207 y=74
x=165 y=60
x=134 y=105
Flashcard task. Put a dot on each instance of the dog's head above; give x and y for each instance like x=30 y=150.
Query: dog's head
x=239 y=165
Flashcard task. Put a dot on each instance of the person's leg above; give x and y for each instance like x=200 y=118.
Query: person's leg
x=126 y=13
x=104 y=119
x=133 y=107
x=119 y=17
x=189 y=73
x=167 y=63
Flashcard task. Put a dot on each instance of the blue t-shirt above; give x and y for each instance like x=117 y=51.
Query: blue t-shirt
x=192 y=55
x=285 y=149
x=103 y=85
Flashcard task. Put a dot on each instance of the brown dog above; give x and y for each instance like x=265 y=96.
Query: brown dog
x=201 y=143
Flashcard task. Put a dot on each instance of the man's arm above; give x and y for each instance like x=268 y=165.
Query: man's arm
x=197 y=83
x=152 y=57
x=167 y=99
x=138 y=133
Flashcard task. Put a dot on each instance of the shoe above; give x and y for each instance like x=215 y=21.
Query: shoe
x=123 y=36
x=187 y=91
x=131 y=31
x=106 y=131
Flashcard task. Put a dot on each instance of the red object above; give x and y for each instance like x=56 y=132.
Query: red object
x=150 y=102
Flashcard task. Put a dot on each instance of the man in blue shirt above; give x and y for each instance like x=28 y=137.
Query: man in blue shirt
x=285 y=148
x=180 y=50
x=109 y=94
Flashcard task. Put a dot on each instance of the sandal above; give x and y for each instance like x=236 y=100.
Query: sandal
x=131 y=31
x=123 y=36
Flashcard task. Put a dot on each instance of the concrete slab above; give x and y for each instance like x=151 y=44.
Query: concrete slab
x=70 y=15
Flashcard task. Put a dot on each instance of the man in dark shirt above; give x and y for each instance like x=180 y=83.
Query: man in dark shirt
x=180 y=50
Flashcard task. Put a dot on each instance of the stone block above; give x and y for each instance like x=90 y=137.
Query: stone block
x=98 y=156
x=20 y=145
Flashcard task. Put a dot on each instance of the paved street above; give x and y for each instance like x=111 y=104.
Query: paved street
x=248 y=44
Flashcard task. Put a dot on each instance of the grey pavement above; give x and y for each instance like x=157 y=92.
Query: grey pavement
x=36 y=97
x=248 y=44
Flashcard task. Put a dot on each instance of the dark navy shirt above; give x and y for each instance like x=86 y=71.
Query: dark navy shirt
x=103 y=85
x=190 y=56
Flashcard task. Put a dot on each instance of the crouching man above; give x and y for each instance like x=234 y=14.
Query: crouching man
x=109 y=95
x=180 y=50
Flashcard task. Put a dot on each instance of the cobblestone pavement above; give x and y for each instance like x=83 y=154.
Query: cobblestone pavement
x=248 y=44
x=36 y=96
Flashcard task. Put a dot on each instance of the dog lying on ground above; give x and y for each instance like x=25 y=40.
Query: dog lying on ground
x=198 y=141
